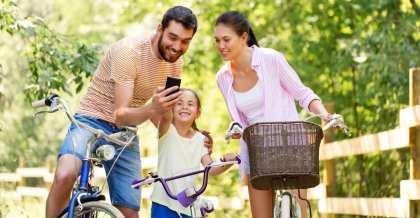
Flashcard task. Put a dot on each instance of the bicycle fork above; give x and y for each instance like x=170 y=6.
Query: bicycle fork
x=82 y=188
x=202 y=207
x=286 y=206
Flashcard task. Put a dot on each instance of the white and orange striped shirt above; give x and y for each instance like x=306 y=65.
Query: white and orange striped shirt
x=281 y=87
x=132 y=63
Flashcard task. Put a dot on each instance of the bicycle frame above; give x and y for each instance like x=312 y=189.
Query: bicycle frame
x=82 y=190
x=189 y=196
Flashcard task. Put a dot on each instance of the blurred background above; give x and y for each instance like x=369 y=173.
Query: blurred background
x=354 y=54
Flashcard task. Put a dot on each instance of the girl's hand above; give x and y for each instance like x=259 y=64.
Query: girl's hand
x=208 y=141
x=229 y=157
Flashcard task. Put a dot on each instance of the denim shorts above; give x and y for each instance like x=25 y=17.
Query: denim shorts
x=126 y=169
x=159 y=211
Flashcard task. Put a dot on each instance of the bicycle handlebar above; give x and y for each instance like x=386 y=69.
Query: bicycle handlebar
x=56 y=103
x=334 y=120
x=44 y=102
x=189 y=195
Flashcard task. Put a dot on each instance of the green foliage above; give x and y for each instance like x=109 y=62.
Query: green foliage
x=54 y=60
x=8 y=16
x=355 y=54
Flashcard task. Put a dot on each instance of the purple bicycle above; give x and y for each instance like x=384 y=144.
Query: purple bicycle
x=190 y=196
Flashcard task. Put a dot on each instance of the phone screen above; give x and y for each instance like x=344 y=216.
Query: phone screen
x=172 y=81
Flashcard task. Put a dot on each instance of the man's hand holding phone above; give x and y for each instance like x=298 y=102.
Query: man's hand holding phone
x=168 y=96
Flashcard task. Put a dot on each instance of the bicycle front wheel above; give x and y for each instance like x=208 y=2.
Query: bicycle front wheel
x=286 y=205
x=97 y=209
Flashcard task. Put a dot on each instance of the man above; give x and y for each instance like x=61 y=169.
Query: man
x=124 y=81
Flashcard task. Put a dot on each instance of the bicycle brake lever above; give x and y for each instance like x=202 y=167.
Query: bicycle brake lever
x=345 y=129
x=227 y=138
x=340 y=124
x=116 y=135
x=335 y=122
x=53 y=110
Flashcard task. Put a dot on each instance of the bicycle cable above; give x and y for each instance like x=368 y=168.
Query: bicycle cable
x=73 y=141
x=116 y=159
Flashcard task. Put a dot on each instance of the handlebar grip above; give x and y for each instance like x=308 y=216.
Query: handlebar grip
x=137 y=183
x=330 y=124
x=44 y=102
x=236 y=159
x=39 y=103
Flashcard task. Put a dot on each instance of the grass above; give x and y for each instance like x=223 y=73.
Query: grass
x=16 y=207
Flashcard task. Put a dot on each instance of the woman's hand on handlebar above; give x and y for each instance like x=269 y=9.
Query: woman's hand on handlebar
x=236 y=136
x=336 y=121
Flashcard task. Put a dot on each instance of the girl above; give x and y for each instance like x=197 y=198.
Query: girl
x=180 y=148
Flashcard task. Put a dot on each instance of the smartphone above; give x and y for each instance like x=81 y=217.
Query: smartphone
x=172 y=81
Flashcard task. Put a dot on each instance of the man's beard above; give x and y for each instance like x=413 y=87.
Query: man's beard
x=161 y=50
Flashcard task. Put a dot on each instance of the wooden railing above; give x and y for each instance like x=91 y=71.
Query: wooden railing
x=44 y=177
x=407 y=135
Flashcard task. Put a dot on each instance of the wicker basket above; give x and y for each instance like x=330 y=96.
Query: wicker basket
x=283 y=155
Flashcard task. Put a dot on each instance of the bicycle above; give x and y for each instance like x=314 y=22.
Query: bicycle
x=86 y=199
x=294 y=147
x=190 y=196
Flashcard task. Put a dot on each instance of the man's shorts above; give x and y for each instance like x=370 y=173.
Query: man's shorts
x=126 y=169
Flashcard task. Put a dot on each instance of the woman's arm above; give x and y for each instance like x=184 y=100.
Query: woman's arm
x=292 y=84
x=317 y=108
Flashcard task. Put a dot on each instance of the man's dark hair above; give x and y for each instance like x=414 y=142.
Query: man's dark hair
x=182 y=15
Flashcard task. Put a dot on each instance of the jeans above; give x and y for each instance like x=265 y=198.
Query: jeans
x=126 y=169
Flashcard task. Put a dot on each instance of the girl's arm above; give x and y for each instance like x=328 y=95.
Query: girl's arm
x=163 y=122
x=206 y=160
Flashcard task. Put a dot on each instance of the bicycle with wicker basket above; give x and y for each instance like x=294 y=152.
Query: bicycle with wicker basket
x=284 y=156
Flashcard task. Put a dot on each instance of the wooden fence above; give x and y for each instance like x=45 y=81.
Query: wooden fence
x=407 y=135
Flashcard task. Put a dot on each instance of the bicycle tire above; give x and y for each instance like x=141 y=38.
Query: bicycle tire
x=286 y=205
x=97 y=209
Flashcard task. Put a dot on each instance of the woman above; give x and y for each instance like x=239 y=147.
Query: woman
x=258 y=85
